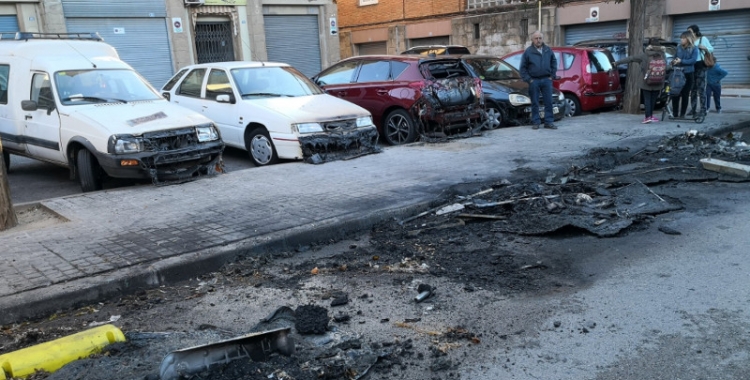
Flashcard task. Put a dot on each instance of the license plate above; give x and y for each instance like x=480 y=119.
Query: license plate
x=610 y=98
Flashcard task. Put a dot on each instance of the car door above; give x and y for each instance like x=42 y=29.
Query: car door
x=11 y=129
x=374 y=84
x=605 y=79
x=188 y=92
x=42 y=126
x=338 y=80
x=225 y=113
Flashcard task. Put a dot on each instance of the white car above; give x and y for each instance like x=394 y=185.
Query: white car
x=273 y=111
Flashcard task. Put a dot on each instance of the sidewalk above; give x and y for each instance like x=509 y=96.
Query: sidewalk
x=119 y=241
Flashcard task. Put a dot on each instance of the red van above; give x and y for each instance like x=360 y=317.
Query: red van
x=587 y=78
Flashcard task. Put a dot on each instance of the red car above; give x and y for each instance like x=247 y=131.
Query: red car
x=587 y=78
x=408 y=95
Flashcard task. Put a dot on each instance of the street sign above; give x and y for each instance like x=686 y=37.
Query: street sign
x=714 y=5
x=334 y=27
x=177 y=24
x=593 y=15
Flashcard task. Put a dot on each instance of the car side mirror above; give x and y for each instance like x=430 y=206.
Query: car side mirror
x=226 y=98
x=29 y=105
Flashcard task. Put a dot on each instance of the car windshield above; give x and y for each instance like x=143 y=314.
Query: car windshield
x=492 y=69
x=76 y=87
x=273 y=81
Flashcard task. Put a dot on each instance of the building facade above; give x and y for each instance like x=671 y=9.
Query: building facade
x=157 y=37
x=498 y=27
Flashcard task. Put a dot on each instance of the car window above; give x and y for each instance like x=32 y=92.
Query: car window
x=218 y=84
x=515 y=61
x=558 y=57
x=41 y=91
x=397 y=68
x=4 y=69
x=619 y=51
x=458 y=50
x=270 y=81
x=77 y=87
x=568 y=60
x=374 y=71
x=599 y=62
x=191 y=86
x=339 y=74
x=492 y=69
x=173 y=81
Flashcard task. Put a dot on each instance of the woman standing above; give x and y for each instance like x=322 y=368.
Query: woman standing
x=698 y=94
x=687 y=55
x=649 y=89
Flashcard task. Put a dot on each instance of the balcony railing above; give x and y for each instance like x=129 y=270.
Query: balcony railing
x=478 y=4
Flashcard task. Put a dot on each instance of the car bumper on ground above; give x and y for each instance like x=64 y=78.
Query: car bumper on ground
x=342 y=144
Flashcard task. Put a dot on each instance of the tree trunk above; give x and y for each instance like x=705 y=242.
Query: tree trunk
x=7 y=214
x=632 y=97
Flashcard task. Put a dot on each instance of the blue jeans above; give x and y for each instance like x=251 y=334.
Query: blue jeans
x=545 y=86
x=715 y=90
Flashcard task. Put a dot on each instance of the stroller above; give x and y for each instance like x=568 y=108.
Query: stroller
x=666 y=111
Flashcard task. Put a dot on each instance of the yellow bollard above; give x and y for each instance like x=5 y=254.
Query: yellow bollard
x=51 y=356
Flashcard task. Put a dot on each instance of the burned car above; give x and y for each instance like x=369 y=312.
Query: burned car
x=274 y=112
x=409 y=95
x=506 y=95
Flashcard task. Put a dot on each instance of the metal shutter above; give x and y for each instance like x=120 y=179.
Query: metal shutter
x=594 y=30
x=9 y=23
x=372 y=48
x=442 y=40
x=729 y=34
x=294 y=39
x=114 y=8
x=143 y=45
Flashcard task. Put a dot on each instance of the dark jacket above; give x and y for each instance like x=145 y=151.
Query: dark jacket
x=643 y=59
x=537 y=66
x=687 y=57
x=715 y=74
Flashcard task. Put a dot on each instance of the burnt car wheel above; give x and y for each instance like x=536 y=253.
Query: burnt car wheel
x=89 y=173
x=495 y=116
x=260 y=147
x=399 y=128
x=574 y=106
x=6 y=157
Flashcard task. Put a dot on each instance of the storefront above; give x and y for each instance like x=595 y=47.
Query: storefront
x=595 y=31
x=136 y=28
x=293 y=36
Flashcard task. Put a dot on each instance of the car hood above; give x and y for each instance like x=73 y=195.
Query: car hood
x=311 y=108
x=510 y=86
x=136 y=117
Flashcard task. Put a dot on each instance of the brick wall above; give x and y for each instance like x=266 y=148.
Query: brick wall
x=351 y=14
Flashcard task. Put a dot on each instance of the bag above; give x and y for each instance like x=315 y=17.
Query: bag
x=709 y=60
x=656 y=71
x=676 y=81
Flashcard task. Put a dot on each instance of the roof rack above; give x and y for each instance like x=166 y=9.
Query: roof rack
x=50 y=36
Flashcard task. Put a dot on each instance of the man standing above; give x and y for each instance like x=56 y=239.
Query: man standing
x=538 y=68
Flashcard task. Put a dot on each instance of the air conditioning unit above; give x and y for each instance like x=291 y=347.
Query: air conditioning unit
x=195 y=3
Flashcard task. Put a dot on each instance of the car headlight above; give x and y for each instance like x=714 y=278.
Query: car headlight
x=308 y=127
x=518 y=100
x=128 y=145
x=206 y=133
x=364 y=121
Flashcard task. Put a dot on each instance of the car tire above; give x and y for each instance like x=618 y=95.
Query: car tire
x=89 y=172
x=574 y=106
x=495 y=116
x=260 y=147
x=399 y=128
x=6 y=158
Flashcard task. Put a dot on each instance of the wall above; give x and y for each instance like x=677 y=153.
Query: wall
x=674 y=7
x=504 y=32
x=182 y=43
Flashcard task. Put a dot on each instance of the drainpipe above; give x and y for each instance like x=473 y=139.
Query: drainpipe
x=540 y=16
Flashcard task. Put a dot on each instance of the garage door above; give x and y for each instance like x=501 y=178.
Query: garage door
x=294 y=39
x=729 y=33
x=136 y=28
x=595 y=30
x=442 y=40
x=8 y=23
x=372 y=48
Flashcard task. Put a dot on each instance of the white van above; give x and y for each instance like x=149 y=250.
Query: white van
x=68 y=99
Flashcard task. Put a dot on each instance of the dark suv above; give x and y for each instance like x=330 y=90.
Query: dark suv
x=434 y=50
x=408 y=95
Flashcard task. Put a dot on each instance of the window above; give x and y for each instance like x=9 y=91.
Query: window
x=476 y=31
x=515 y=61
x=191 y=86
x=218 y=84
x=397 y=68
x=4 y=71
x=374 y=71
x=174 y=80
x=599 y=62
x=343 y=73
x=568 y=60
x=41 y=91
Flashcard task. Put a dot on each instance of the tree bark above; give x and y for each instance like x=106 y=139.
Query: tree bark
x=7 y=214
x=632 y=97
